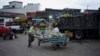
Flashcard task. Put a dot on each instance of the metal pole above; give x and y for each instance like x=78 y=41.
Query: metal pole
x=87 y=7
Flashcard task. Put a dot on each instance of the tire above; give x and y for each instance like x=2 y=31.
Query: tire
x=57 y=45
x=78 y=35
x=65 y=44
x=54 y=46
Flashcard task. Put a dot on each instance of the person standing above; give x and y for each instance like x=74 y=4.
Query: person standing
x=12 y=34
x=42 y=27
x=55 y=30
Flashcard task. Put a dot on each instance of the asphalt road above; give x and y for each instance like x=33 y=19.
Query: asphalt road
x=18 y=47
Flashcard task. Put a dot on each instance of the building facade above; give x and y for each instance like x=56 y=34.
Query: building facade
x=13 y=5
x=31 y=15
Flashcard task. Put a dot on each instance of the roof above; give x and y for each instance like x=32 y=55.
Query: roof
x=71 y=9
x=47 y=9
x=15 y=1
x=9 y=14
x=90 y=11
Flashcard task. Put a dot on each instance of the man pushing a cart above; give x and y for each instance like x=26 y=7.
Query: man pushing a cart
x=31 y=35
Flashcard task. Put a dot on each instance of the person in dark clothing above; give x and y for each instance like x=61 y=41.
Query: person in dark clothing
x=43 y=27
x=12 y=34
x=30 y=40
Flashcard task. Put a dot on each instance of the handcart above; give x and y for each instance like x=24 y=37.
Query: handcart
x=56 y=41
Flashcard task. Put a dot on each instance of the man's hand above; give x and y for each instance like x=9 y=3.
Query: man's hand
x=37 y=34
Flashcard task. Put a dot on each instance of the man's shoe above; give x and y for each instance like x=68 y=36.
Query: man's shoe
x=29 y=45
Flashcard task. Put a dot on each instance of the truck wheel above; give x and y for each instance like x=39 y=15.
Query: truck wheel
x=78 y=35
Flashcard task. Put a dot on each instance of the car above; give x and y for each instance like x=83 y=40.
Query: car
x=5 y=32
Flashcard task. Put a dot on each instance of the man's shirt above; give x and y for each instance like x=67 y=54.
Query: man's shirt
x=31 y=30
x=56 y=31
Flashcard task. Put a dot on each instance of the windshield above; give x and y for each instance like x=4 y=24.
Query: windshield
x=1 y=21
x=12 y=24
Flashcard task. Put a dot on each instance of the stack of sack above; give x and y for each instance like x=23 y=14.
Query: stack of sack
x=49 y=34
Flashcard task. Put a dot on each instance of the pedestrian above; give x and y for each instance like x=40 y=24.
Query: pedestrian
x=55 y=30
x=32 y=32
x=42 y=27
x=54 y=23
x=12 y=34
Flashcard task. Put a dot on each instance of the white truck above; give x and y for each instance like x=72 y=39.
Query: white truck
x=15 y=27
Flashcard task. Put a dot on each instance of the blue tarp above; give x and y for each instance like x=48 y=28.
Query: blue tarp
x=37 y=19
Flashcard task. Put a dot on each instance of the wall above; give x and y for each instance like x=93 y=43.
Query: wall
x=32 y=7
x=31 y=14
x=27 y=8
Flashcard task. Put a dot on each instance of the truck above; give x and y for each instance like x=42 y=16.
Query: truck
x=81 y=26
x=5 y=31
x=8 y=22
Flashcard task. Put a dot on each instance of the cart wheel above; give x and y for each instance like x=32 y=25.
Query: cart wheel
x=39 y=43
x=65 y=44
x=54 y=46
x=57 y=45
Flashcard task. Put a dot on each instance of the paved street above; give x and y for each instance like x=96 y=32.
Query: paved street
x=18 y=47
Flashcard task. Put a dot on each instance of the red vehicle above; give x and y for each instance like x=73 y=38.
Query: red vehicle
x=4 y=32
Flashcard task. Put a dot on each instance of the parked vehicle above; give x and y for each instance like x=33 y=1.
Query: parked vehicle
x=81 y=26
x=4 y=32
x=9 y=23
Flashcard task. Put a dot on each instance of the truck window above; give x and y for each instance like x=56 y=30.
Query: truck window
x=11 y=24
x=1 y=21
x=8 y=23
